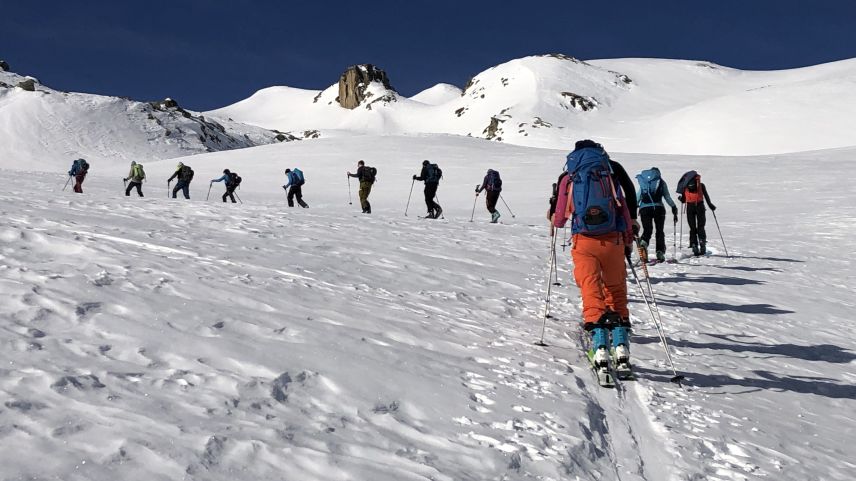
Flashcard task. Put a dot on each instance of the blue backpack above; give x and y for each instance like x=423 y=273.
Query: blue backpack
x=649 y=184
x=597 y=207
x=298 y=177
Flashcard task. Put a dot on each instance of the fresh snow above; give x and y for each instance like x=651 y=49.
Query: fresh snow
x=635 y=105
x=149 y=339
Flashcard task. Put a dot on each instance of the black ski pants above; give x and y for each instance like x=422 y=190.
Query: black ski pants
x=696 y=220
x=430 y=193
x=296 y=191
x=230 y=193
x=654 y=217
x=184 y=187
x=491 y=198
x=131 y=185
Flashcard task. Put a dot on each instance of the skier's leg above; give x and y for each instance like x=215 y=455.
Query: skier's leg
x=176 y=189
x=139 y=187
x=647 y=214
x=128 y=189
x=185 y=189
x=659 y=224
x=702 y=235
x=614 y=277
x=587 y=274
x=290 y=196
x=691 y=222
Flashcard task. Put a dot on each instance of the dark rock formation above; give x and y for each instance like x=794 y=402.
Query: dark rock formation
x=579 y=102
x=4 y=66
x=29 y=85
x=353 y=83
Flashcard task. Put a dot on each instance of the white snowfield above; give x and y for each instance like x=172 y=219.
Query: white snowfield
x=635 y=105
x=159 y=339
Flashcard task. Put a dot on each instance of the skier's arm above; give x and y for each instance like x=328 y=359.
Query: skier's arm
x=422 y=175
x=174 y=175
x=707 y=197
x=483 y=186
x=288 y=177
x=221 y=179
x=619 y=174
x=666 y=195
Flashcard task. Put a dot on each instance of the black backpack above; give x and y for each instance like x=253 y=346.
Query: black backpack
x=370 y=174
x=84 y=166
x=186 y=174
x=234 y=180
x=434 y=174
x=494 y=183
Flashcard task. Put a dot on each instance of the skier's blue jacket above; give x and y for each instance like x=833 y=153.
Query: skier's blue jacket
x=662 y=189
x=224 y=178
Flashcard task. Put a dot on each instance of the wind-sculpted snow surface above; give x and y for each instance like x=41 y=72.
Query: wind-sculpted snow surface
x=156 y=339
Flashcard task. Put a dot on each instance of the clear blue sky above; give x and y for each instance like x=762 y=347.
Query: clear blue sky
x=210 y=53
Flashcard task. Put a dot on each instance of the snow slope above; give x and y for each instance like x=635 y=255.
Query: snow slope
x=49 y=128
x=149 y=339
x=637 y=105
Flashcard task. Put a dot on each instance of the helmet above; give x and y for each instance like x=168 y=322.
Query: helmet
x=226 y=171
x=425 y=162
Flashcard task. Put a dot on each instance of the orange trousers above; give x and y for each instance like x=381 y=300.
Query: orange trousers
x=600 y=274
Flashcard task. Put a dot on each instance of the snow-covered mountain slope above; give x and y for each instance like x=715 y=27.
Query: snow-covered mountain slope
x=156 y=339
x=49 y=128
x=637 y=105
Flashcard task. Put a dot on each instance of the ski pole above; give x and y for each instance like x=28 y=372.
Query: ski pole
x=676 y=378
x=683 y=217
x=238 y=197
x=408 y=197
x=167 y=189
x=506 y=206
x=675 y=239
x=720 y=233
x=125 y=183
x=66 y=183
x=209 y=191
x=474 y=207
x=349 y=191
x=549 y=286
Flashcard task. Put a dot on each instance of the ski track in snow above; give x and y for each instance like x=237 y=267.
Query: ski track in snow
x=154 y=339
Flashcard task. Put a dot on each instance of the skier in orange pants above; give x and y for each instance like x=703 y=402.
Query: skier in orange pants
x=590 y=194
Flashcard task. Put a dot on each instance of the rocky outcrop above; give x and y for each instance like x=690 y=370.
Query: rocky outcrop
x=355 y=80
x=29 y=85
x=4 y=66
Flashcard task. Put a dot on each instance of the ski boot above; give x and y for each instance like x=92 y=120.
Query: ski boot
x=430 y=215
x=438 y=212
x=598 y=356
x=494 y=218
x=621 y=350
x=661 y=256
x=696 y=251
x=702 y=249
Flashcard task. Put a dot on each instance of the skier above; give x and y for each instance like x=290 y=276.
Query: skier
x=652 y=191
x=366 y=177
x=603 y=224
x=79 y=169
x=431 y=175
x=137 y=175
x=185 y=175
x=232 y=180
x=295 y=181
x=492 y=183
x=693 y=193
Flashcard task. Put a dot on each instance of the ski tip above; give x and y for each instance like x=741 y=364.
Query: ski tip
x=677 y=379
x=557 y=283
x=540 y=343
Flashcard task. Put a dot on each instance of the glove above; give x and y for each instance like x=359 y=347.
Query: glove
x=712 y=207
x=635 y=227
x=627 y=251
x=414 y=176
x=125 y=179
x=675 y=219
x=675 y=211
x=681 y=199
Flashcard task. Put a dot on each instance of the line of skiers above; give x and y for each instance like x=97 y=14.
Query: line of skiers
x=590 y=195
